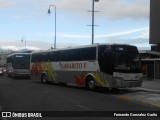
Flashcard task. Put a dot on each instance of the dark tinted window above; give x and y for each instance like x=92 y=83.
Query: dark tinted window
x=54 y=56
x=80 y=54
x=105 y=59
x=66 y=55
x=44 y=57
x=21 y=61
x=40 y=57
x=88 y=53
x=34 y=57
x=74 y=54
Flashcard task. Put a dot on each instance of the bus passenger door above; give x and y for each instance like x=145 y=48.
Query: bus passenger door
x=105 y=61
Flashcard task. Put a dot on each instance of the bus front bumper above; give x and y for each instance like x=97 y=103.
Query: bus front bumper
x=21 y=73
x=120 y=83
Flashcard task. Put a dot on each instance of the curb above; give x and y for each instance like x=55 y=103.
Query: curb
x=149 y=90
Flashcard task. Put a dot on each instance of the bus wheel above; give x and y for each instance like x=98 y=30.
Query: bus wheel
x=90 y=84
x=44 y=78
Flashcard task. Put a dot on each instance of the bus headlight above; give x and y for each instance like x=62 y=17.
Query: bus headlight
x=117 y=81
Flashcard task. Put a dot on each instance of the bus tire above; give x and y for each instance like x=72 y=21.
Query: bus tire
x=90 y=83
x=44 y=78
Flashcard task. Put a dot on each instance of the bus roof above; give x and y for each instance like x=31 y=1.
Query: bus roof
x=84 y=46
x=18 y=54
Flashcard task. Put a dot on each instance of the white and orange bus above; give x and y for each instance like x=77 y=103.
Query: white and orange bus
x=105 y=65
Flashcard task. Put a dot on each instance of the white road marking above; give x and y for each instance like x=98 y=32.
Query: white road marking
x=83 y=107
x=156 y=98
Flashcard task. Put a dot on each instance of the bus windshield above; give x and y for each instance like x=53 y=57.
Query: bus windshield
x=127 y=59
x=21 y=61
x=119 y=58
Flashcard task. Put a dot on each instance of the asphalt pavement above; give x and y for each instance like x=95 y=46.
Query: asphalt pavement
x=28 y=95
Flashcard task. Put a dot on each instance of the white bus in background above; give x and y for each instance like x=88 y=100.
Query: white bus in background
x=105 y=65
x=18 y=65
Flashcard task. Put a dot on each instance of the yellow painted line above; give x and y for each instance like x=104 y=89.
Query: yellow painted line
x=123 y=97
x=135 y=100
x=149 y=103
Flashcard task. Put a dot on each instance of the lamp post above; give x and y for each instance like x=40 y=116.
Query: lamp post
x=93 y=19
x=49 y=12
x=24 y=39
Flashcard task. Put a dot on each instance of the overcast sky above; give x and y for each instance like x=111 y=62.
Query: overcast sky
x=119 y=21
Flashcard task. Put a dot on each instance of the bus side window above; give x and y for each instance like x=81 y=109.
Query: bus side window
x=72 y=55
x=62 y=56
x=88 y=53
x=44 y=57
x=53 y=56
x=92 y=53
x=34 y=57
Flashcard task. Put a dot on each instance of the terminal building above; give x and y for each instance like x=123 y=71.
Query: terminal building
x=150 y=64
x=151 y=59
